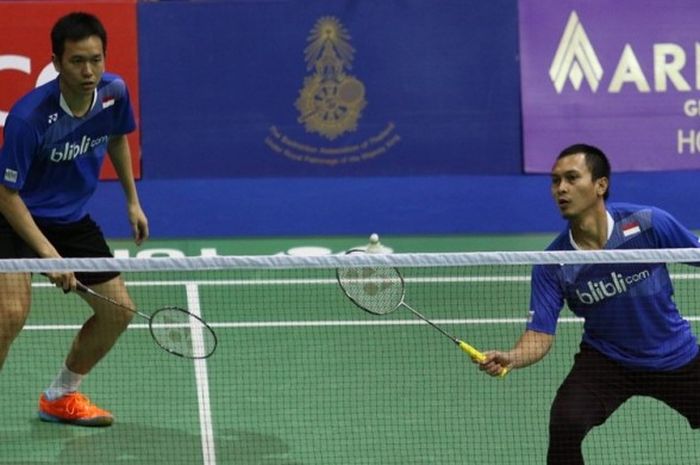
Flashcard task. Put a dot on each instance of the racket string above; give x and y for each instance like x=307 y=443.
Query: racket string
x=181 y=333
x=376 y=290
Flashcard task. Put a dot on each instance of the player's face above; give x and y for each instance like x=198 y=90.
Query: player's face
x=81 y=66
x=573 y=187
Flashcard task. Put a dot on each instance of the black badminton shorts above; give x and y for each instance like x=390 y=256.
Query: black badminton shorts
x=79 y=239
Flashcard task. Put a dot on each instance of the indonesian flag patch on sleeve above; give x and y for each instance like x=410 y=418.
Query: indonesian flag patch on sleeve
x=630 y=229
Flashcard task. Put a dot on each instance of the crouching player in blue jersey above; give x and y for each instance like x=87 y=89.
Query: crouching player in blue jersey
x=635 y=341
x=56 y=138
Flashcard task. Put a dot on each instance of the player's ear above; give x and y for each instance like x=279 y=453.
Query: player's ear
x=602 y=186
x=56 y=62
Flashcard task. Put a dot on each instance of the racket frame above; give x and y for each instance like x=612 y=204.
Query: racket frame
x=86 y=290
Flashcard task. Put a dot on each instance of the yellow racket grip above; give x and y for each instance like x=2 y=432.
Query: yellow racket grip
x=478 y=356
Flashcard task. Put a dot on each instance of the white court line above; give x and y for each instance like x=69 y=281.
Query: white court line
x=202 y=379
x=339 y=323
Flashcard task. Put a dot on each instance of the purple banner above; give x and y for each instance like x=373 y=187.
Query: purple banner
x=623 y=75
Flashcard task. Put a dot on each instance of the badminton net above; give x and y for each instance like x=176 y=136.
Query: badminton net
x=300 y=375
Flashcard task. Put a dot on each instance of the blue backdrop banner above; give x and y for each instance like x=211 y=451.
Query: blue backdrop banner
x=360 y=88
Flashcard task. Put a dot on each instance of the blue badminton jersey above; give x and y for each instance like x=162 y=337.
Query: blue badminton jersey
x=53 y=158
x=628 y=309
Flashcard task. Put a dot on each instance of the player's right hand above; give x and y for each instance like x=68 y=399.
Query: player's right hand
x=64 y=279
x=495 y=362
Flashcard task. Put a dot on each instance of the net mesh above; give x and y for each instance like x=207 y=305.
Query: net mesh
x=301 y=376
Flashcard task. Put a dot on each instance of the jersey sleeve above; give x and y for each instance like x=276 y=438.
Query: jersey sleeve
x=124 y=121
x=20 y=144
x=546 y=300
x=669 y=233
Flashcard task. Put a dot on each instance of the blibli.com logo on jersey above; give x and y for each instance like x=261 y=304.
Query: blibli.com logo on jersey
x=72 y=150
x=616 y=284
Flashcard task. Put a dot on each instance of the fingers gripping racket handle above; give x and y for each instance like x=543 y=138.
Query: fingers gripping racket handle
x=478 y=356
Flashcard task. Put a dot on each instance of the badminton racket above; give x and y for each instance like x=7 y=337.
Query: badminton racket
x=174 y=329
x=382 y=290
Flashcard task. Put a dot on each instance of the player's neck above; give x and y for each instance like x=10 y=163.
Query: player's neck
x=590 y=231
x=78 y=103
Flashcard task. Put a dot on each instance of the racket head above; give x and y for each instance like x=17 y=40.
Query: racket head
x=182 y=333
x=377 y=290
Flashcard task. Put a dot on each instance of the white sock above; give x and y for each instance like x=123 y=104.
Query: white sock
x=65 y=382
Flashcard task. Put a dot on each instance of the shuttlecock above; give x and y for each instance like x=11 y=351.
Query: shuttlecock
x=375 y=246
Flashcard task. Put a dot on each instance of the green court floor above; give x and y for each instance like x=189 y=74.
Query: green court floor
x=302 y=377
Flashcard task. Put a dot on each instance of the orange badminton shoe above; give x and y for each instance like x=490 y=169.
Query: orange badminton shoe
x=74 y=409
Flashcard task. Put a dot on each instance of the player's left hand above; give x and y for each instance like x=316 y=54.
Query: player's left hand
x=139 y=223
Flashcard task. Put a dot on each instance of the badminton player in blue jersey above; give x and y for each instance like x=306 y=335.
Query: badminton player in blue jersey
x=55 y=140
x=635 y=341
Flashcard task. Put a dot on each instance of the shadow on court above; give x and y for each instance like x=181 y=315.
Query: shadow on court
x=128 y=443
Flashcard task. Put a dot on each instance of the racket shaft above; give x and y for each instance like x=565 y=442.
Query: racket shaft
x=471 y=351
x=83 y=288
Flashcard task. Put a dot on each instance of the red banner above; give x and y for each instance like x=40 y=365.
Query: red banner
x=25 y=54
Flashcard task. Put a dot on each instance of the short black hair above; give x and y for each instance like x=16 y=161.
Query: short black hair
x=596 y=161
x=74 y=27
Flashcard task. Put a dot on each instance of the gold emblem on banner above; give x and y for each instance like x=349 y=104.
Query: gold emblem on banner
x=331 y=101
x=330 y=105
